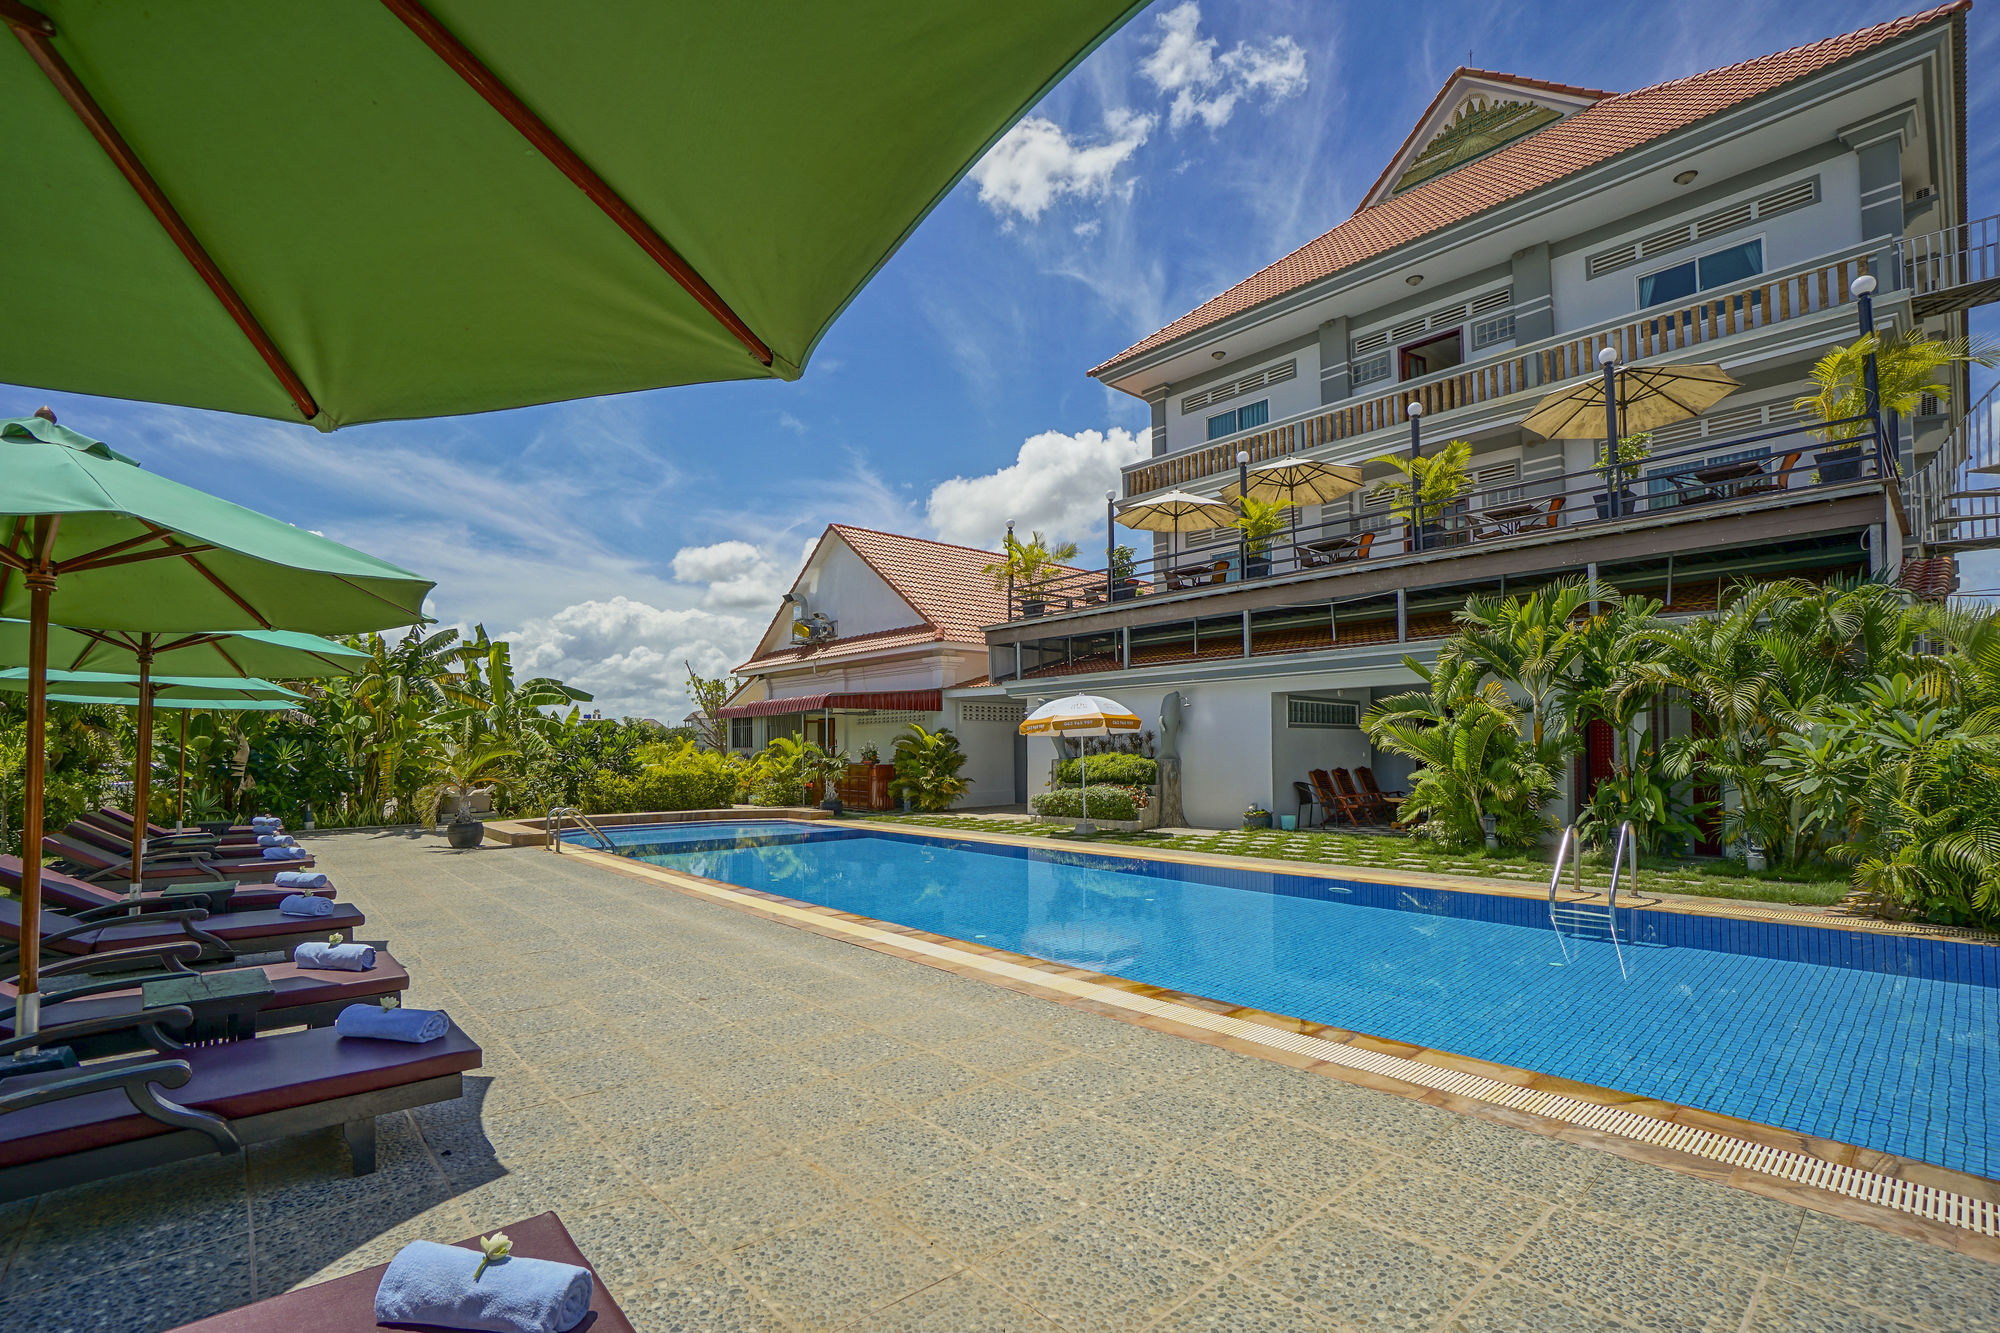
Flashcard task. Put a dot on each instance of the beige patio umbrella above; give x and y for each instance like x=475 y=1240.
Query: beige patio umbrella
x=1298 y=481
x=1167 y=513
x=1081 y=715
x=1648 y=397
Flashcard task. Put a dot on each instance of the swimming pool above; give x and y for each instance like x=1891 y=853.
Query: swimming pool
x=1878 y=1040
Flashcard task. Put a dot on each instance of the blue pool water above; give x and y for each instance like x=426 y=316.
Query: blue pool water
x=1869 y=1039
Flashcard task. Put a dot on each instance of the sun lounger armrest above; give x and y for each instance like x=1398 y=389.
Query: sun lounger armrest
x=144 y=1020
x=187 y=916
x=138 y=1082
x=172 y=957
x=150 y=908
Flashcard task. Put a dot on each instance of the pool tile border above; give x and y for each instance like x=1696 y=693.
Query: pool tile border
x=1911 y=1198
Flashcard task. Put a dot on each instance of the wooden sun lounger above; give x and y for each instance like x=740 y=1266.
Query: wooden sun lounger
x=347 y=1304
x=106 y=929
x=63 y=1127
x=68 y=893
x=94 y=862
x=123 y=818
x=103 y=830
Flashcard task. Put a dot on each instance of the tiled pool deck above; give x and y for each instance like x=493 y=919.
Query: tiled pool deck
x=751 y=1126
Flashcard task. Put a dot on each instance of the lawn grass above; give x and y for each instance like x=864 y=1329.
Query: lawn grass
x=1707 y=879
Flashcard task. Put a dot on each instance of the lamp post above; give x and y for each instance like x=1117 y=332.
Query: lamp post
x=1110 y=545
x=1888 y=449
x=1416 y=411
x=1243 y=511
x=1614 y=482
x=1007 y=552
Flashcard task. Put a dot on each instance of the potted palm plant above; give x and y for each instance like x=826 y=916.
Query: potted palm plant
x=1429 y=486
x=464 y=768
x=1124 y=563
x=1028 y=567
x=1907 y=367
x=1259 y=521
x=1633 y=451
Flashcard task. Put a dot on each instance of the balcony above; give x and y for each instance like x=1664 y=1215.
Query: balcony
x=1795 y=487
x=1802 y=293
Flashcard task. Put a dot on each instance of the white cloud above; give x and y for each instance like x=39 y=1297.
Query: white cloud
x=723 y=560
x=1208 y=87
x=1055 y=485
x=1037 y=163
x=629 y=654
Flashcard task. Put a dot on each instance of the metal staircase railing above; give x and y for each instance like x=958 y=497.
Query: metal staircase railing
x=1952 y=507
x=549 y=822
x=1955 y=268
x=1580 y=916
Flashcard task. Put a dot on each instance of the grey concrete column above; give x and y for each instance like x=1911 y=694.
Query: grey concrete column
x=1157 y=399
x=1534 y=303
x=1877 y=144
x=1335 y=380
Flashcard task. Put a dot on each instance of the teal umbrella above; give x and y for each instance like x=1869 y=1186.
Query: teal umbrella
x=224 y=655
x=357 y=212
x=90 y=540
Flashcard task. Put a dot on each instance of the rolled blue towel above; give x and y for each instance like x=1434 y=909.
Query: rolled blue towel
x=276 y=840
x=429 y=1283
x=304 y=904
x=266 y=824
x=372 y=1020
x=302 y=879
x=335 y=957
x=284 y=853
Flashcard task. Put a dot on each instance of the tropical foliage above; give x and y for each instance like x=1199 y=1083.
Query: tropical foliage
x=1818 y=724
x=1258 y=521
x=1439 y=479
x=1109 y=803
x=1908 y=367
x=927 y=764
x=1029 y=566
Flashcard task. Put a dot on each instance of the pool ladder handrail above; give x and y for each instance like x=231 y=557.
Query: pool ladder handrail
x=1570 y=852
x=549 y=827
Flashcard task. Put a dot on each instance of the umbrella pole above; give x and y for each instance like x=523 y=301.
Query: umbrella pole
x=181 y=796
x=41 y=583
x=142 y=766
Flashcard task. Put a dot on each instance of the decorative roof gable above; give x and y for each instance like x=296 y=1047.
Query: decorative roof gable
x=1474 y=113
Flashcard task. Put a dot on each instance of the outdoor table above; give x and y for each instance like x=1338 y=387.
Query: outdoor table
x=1327 y=552
x=225 y=1003
x=1508 y=519
x=1717 y=481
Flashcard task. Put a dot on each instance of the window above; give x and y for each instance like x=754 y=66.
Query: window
x=1428 y=358
x=1721 y=269
x=1371 y=369
x=742 y=733
x=1247 y=417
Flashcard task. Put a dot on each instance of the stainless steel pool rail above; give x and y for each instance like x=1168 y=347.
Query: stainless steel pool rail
x=1580 y=916
x=549 y=828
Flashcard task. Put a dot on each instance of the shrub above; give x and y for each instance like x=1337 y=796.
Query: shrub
x=1124 y=770
x=927 y=764
x=1105 y=803
x=683 y=778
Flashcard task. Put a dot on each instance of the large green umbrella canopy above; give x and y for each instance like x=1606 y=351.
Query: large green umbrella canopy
x=90 y=540
x=108 y=687
x=482 y=204
x=271 y=654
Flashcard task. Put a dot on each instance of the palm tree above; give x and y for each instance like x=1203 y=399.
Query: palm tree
x=1464 y=732
x=927 y=764
x=1532 y=643
x=1438 y=480
x=461 y=766
x=1907 y=367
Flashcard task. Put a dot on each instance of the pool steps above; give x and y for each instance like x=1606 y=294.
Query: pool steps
x=1582 y=917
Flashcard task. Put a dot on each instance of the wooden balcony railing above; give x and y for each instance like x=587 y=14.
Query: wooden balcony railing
x=1545 y=365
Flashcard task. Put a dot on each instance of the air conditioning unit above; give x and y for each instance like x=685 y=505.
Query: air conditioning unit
x=814 y=628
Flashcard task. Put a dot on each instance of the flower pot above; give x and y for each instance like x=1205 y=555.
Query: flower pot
x=1032 y=607
x=465 y=834
x=1124 y=590
x=832 y=805
x=1256 y=821
x=1842 y=464
x=1288 y=822
x=1257 y=567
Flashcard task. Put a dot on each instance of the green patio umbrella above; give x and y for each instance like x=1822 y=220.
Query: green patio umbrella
x=359 y=212
x=221 y=657
x=88 y=539
x=186 y=694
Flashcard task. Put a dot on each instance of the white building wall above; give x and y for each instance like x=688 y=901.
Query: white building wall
x=989 y=747
x=840 y=584
x=1185 y=430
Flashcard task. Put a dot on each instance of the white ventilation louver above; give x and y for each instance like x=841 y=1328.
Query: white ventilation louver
x=1321 y=714
x=1783 y=200
x=1447 y=317
x=1499 y=300
x=1374 y=342
x=1792 y=196
x=1250 y=383
x=1727 y=220
x=1409 y=328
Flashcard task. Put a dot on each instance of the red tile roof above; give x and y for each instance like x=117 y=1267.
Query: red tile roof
x=878 y=641
x=1444 y=90
x=943 y=582
x=1593 y=135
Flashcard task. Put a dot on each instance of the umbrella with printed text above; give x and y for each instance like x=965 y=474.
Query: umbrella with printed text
x=91 y=540
x=218 y=657
x=341 y=213
x=1080 y=716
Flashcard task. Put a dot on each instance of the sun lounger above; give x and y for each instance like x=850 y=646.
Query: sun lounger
x=106 y=830
x=347 y=1304
x=297 y=996
x=88 y=861
x=68 y=893
x=104 y=929
x=227 y=832
x=107 y=1117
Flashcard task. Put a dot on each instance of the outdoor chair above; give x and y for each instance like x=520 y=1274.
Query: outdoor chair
x=1775 y=479
x=163 y=854
x=89 y=861
x=119 y=822
x=61 y=1127
x=95 y=826
x=102 y=930
x=222 y=829
x=1332 y=799
x=1390 y=801
x=68 y=893
x=1346 y=550
x=1372 y=810
x=1308 y=802
x=347 y=1304
x=290 y=996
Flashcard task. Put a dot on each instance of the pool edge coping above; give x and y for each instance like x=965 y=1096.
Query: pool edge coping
x=1904 y=1196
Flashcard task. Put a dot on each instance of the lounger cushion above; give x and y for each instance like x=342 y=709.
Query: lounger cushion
x=347 y=1304
x=231 y=1079
x=292 y=987
x=69 y=849
x=245 y=928
x=68 y=893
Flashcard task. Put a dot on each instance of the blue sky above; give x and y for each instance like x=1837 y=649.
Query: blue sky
x=616 y=537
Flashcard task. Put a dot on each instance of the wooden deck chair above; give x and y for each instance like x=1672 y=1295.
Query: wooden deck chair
x=1373 y=811
x=1388 y=802
x=1332 y=799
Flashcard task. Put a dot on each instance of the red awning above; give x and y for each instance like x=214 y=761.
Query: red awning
x=882 y=701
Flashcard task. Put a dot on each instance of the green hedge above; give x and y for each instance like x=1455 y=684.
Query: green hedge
x=692 y=780
x=1124 y=770
x=1105 y=803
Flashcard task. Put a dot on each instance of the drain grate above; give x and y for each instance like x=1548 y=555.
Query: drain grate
x=1925 y=1201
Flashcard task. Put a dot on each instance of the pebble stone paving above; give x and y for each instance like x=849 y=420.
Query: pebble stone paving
x=752 y=1127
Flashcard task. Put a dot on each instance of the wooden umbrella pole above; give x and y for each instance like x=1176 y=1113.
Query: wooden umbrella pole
x=41 y=584
x=181 y=796
x=142 y=765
